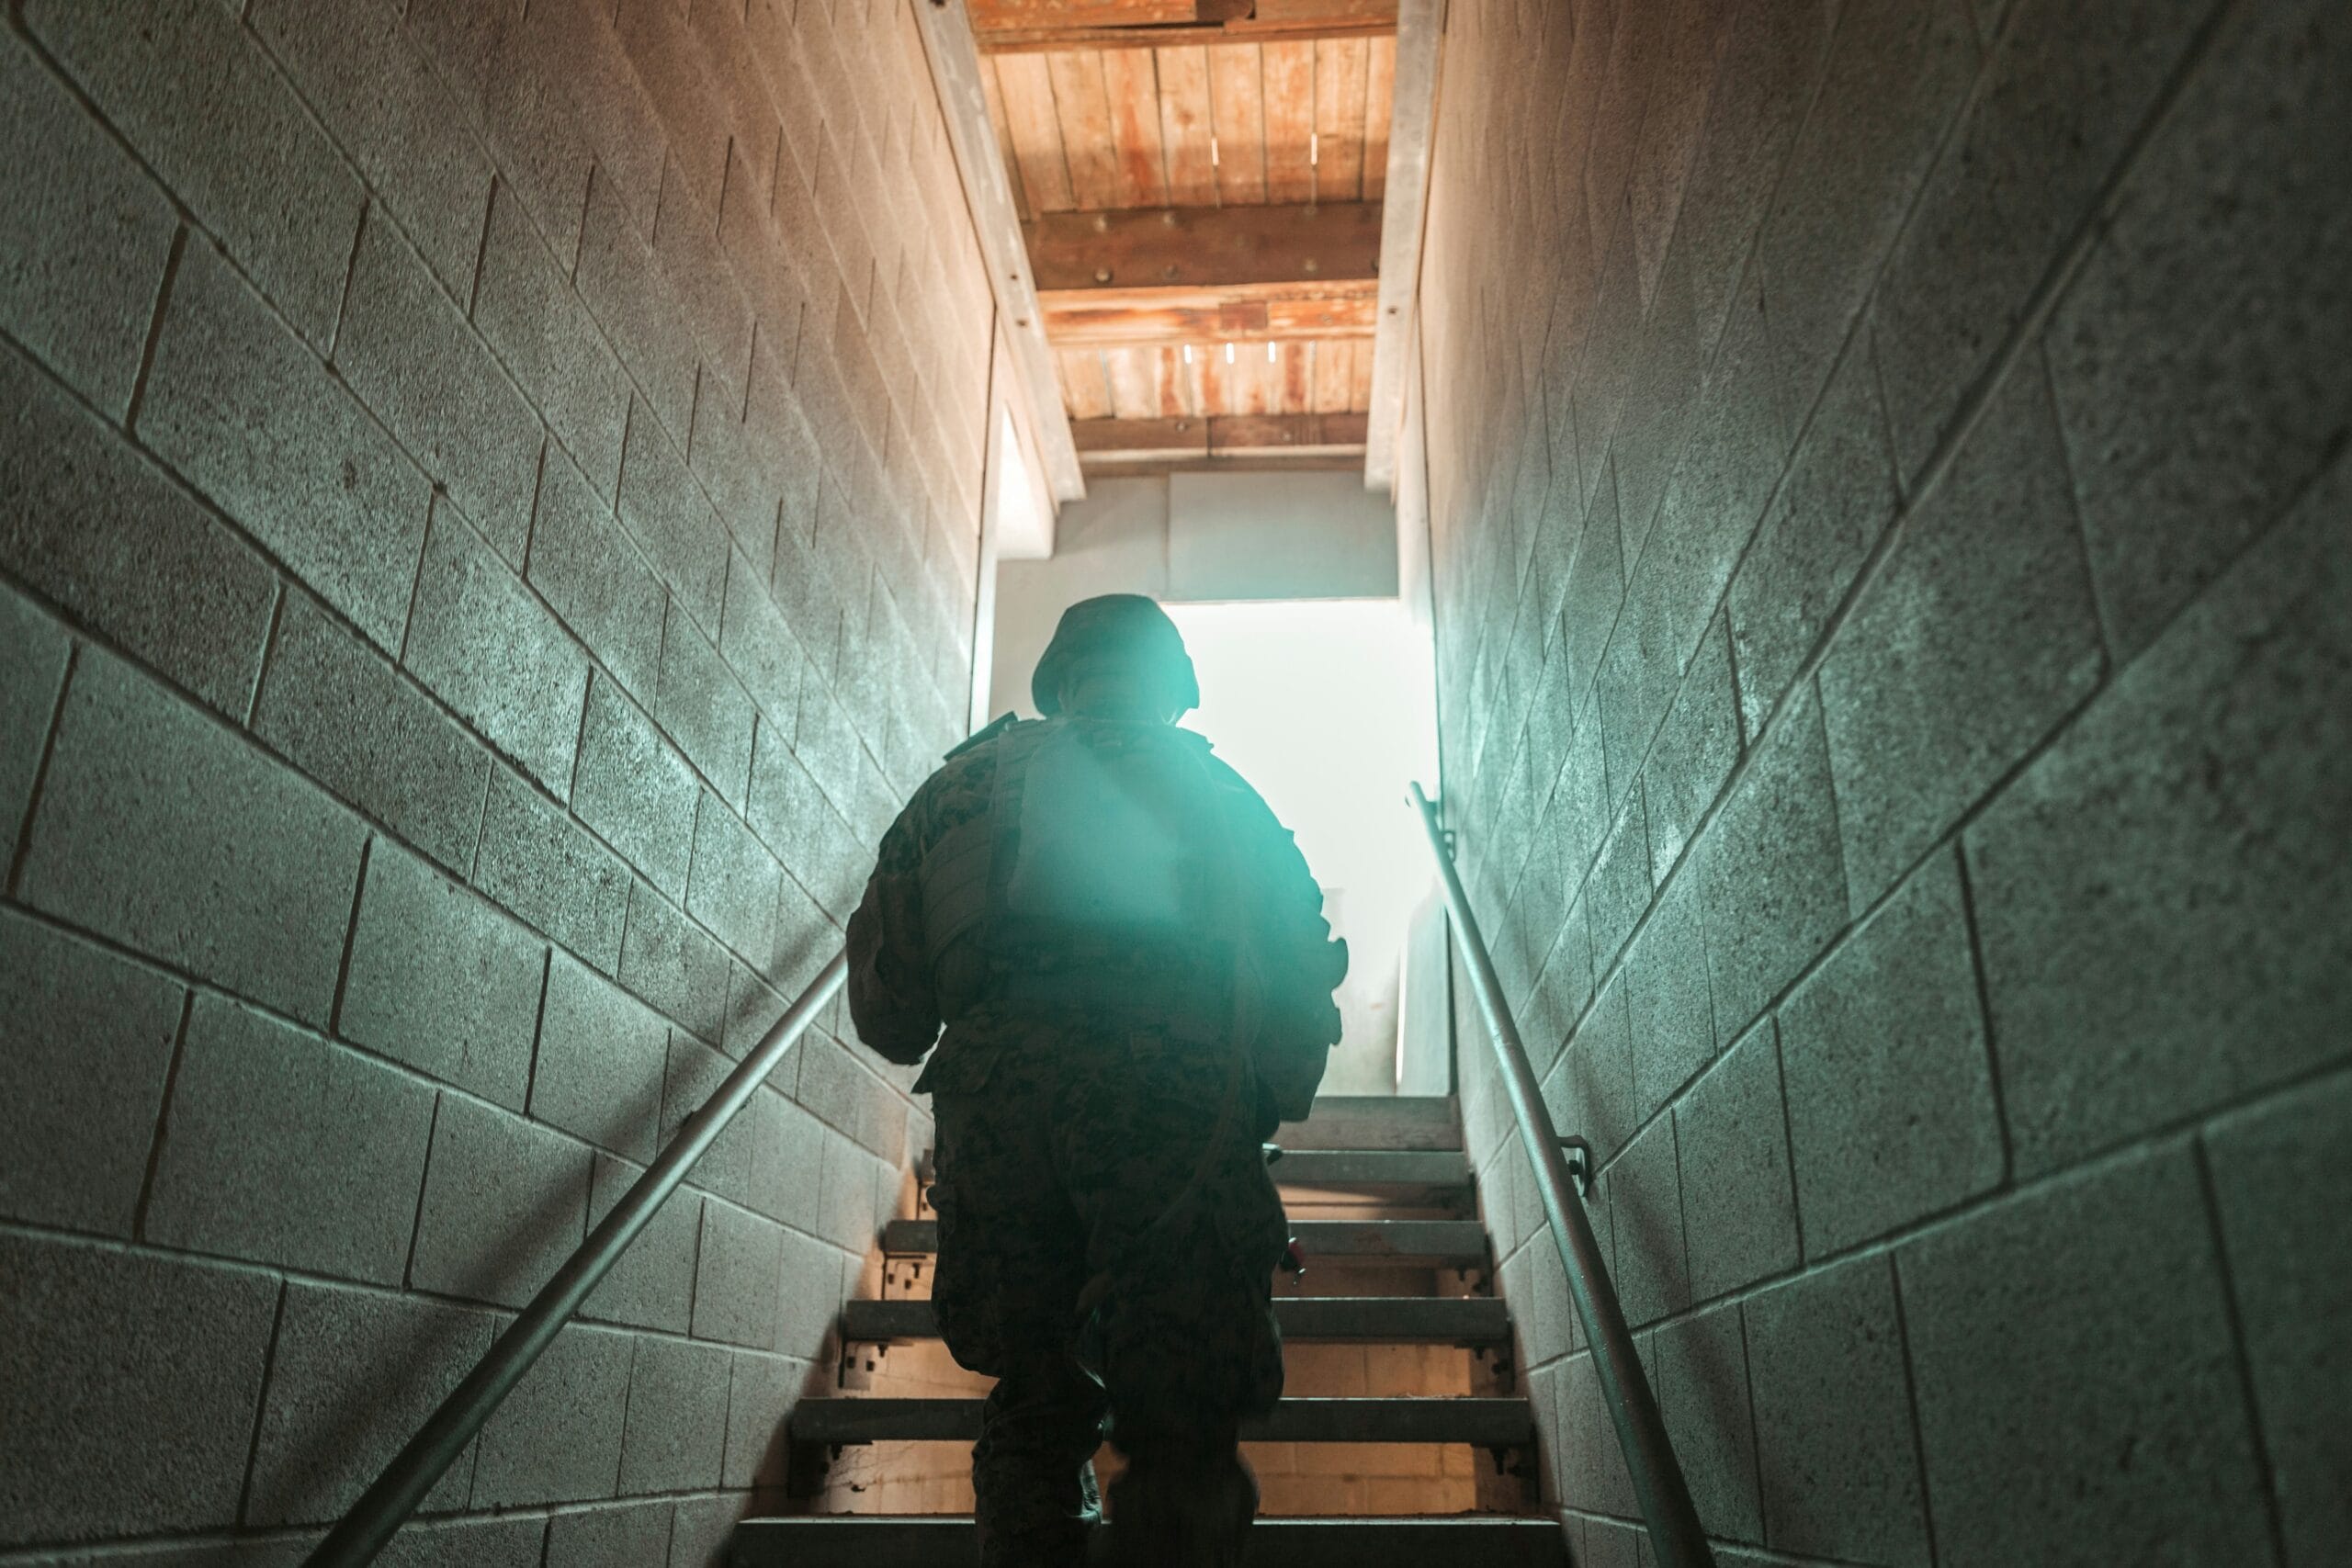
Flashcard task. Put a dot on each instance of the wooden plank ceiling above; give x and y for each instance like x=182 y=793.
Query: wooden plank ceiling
x=1199 y=182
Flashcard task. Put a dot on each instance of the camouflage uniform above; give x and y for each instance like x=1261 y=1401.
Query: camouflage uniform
x=1099 y=1129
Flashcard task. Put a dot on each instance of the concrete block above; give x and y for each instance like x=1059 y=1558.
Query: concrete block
x=658 y=43
x=1719 y=492
x=1831 y=510
x=628 y=1535
x=490 y=649
x=809 y=1296
x=759 y=647
x=1619 y=892
x=1698 y=1366
x=1763 y=86
x=1769 y=871
x=202 y=103
x=634 y=789
x=1840 y=1469
x=540 y=865
x=1590 y=1091
x=735 y=1277
x=86 y=233
x=85 y=1040
x=695 y=1073
x=622 y=288
x=141 y=1369
x=558 y=1436
x=1662 y=395
x=441 y=980
x=409 y=353
x=2282 y=1181
x=652 y=1285
x=1670 y=1014
x=1897 y=73
x=285 y=1149
x=525 y=310
x=505 y=1203
x=762 y=1393
x=145 y=800
x=98 y=530
x=33 y=650
x=2064 y=91
x=606 y=101
x=339 y=711
x=738 y=465
x=1976 y=639
x=521 y=104
x=2203 y=357
x=2079 y=1391
x=240 y=407
x=733 y=888
x=675 y=1437
x=674 y=965
x=2161 y=921
x=514 y=1542
x=752 y=1006
x=1644 y=1186
x=787 y=1149
x=1737 y=1195
x=1892 y=1111
x=408 y=132
x=685 y=244
x=701 y=705
x=702 y=1532
x=848 y=1201
x=1640 y=672
x=1694 y=751
x=355 y=1375
x=1592 y=1470
x=583 y=563
x=601 y=1059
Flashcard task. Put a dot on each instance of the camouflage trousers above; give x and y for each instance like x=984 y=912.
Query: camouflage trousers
x=1099 y=1166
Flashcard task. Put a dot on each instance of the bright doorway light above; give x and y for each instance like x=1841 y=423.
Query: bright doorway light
x=1328 y=707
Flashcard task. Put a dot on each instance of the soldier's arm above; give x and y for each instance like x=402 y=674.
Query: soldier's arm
x=891 y=995
x=1300 y=963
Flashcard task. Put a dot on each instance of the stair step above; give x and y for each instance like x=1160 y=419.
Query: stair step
x=1488 y=1423
x=1375 y=1122
x=880 y=1542
x=1376 y=1320
x=1384 y=1170
x=1438 y=1243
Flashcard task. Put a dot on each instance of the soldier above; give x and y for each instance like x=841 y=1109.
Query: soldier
x=1130 y=958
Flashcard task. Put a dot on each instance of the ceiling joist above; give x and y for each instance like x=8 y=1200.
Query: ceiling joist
x=1204 y=247
x=1255 y=313
x=1102 y=441
x=1038 y=27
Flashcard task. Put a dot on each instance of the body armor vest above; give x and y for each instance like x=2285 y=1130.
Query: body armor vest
x=1104 y=857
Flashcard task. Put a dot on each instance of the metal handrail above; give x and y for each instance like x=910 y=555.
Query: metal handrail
x=1658 y=1487
x=386 y=1505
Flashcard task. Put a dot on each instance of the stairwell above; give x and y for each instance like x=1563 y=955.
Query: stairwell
x=1402 y=1436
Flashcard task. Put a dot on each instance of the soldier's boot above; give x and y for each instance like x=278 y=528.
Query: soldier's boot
x=1182 y=1510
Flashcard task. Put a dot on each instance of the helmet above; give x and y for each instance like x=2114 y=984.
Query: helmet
x=1126 y=627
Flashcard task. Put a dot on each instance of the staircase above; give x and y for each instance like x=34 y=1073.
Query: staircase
x=1401 y=1438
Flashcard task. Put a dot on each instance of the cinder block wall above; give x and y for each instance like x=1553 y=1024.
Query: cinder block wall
x=1893 y=559
x=488 y=508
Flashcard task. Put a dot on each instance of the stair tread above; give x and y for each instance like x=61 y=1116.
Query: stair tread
x=1372 y=1168
x=1437 y=1241
x=1486 y=1422
x=1450 y=1320
x=1474 y=1540
x=1376 y=1121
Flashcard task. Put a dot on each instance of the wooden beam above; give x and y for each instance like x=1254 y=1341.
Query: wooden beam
x=1255 y=313
x=1218 y=436
x=1204 y=247
x=1421 y=29
x=955 y=77
x=1023 y=27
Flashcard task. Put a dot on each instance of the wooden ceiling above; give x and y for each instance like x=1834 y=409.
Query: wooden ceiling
x=1199 y=184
